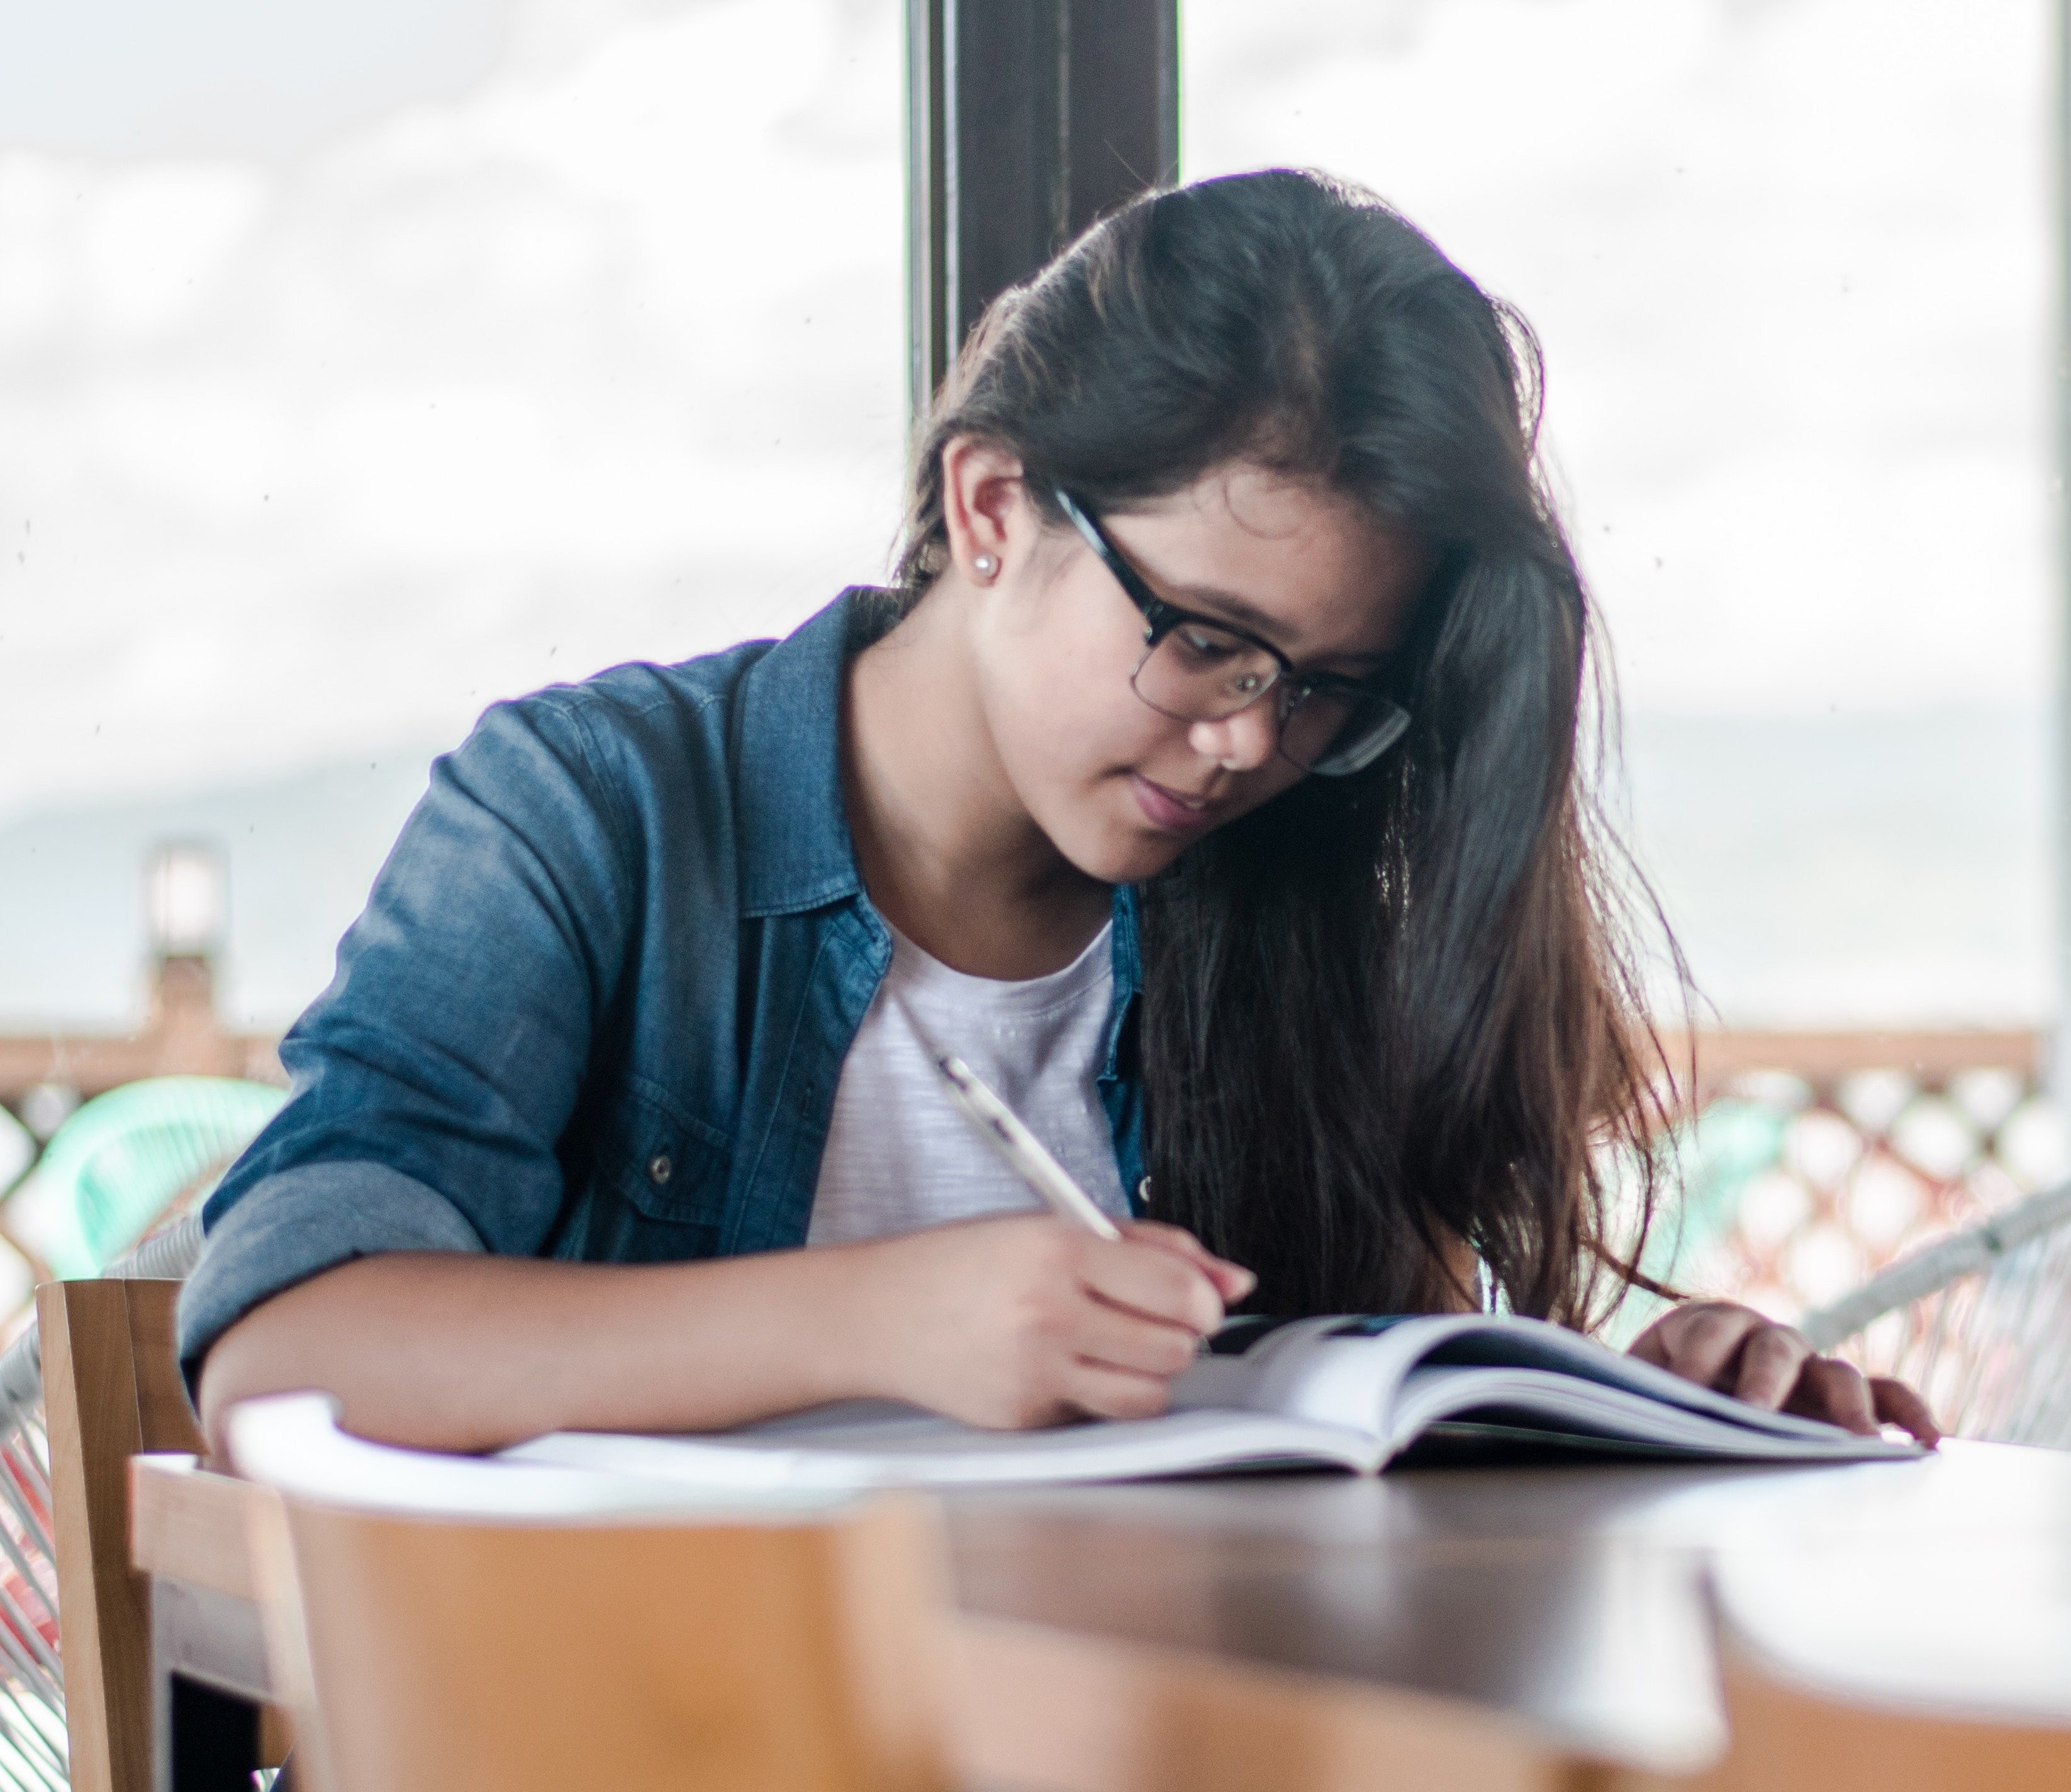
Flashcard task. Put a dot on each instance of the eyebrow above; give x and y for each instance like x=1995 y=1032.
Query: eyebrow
x=1225 y=605
x=1239 y=612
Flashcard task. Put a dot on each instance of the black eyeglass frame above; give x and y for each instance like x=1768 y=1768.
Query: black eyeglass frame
x=1160 y=619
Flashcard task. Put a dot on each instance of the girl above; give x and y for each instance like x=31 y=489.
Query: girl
x=1209 y=781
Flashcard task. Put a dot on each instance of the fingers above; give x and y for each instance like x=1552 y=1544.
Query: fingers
x=1153 y=1281
x=1117 y=1339
x=1736 y=1350
x=1102 y=1392
x=1699 y=1341
x=1830 y=1389
x=1651 y=1345
x=1232 y=1282
x=1896 y=1404
x=1773 y=1360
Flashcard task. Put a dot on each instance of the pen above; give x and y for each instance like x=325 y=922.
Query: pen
x=1021 y=1149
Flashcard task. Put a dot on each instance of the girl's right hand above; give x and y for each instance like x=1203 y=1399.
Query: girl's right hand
x=1027 y=1321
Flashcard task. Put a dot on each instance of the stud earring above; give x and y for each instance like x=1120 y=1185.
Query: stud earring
x=985 y=566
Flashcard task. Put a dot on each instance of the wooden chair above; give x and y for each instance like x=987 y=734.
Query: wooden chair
x=425 y=1654
x=425 y=1646
x=1066 y=1712
x=112 y=1390
x=1786 y=1736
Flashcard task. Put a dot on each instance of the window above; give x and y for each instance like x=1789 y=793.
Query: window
x=359 y=367
x=1791 y=268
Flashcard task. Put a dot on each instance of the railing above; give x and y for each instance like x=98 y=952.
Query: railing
x=1815 y=1159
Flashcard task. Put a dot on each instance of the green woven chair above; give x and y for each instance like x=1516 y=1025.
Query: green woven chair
x=119 y=1165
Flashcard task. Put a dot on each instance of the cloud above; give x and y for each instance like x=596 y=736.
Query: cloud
x=508 y=341
x=602 y=360
x=1791 y=268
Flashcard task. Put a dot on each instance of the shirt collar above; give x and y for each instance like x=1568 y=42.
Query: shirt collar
x=795 y=849
x=1128 y=960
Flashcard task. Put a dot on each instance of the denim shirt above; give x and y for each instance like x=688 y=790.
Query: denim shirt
x=598 y=1002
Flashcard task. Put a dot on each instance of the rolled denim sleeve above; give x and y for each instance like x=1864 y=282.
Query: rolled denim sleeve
x=432 y=1080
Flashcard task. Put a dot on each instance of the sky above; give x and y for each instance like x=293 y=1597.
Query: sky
x=107 y=78
x=1789 y=261
x=307 y=452
x=360 y=366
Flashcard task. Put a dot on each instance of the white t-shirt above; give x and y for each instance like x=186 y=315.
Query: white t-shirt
x=900 y=1155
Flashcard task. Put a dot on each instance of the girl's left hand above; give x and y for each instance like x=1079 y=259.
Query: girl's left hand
x=1734 y=1350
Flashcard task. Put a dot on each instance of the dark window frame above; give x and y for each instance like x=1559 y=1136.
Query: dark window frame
x=1026 y=122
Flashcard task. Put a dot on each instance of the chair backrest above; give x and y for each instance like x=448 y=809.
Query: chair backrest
x=112 y=1388
x=1788 y=1737
x=444 y=1655
x=1846 y=1665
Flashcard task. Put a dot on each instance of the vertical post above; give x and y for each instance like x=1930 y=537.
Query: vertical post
x=111 y=1387
x=927 y=354
x=2057 y=1070
x=95 y=1425
x=1025 y=123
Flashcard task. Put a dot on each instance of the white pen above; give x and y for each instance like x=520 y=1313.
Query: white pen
x=1021 y=1149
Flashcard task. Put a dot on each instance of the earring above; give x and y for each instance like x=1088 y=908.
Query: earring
x=985 y=566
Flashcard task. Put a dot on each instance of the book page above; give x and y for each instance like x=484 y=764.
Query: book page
x=1339 y=1369
x=846 y=1447
x=1508 y=1342
x=1547 y=1401
x=1382 y=1374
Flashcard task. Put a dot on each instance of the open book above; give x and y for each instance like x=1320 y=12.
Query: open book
x=1344 y=1392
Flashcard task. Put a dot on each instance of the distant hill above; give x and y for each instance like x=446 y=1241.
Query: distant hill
x=1854 y=870
x=302 y=852
x=1825 y=870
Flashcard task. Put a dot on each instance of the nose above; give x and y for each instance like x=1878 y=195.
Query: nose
x=1242 y=742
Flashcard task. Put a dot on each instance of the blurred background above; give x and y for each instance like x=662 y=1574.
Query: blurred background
x=361 y=366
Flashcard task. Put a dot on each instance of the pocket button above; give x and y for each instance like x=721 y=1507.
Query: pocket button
x=660 y=1168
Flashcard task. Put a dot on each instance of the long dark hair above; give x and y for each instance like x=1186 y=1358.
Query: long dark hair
x=1387 y=1015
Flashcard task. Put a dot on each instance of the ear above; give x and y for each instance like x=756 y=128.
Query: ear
x=985 y=511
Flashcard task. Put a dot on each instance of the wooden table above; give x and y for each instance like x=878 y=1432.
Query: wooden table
x=1284 y=1631
x=1571 y=1601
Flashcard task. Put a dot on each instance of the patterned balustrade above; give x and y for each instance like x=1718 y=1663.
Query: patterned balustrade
x=1815 y=1159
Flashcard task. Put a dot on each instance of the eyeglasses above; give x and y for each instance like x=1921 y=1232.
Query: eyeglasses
x=1195 y=669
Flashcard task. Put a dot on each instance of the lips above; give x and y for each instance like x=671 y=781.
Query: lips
x=1171 y=811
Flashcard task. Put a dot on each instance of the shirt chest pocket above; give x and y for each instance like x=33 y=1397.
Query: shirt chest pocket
x=667 y=1167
